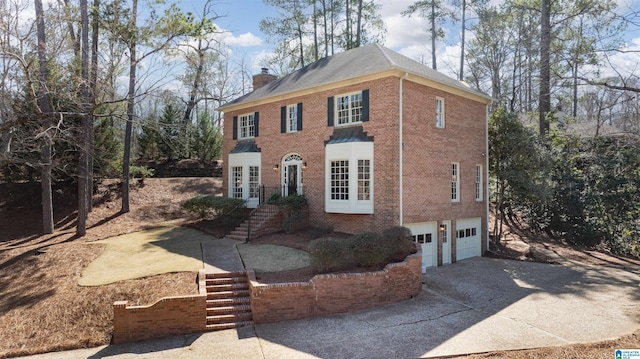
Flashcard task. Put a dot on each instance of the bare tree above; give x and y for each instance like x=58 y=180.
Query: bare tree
x=44 y=108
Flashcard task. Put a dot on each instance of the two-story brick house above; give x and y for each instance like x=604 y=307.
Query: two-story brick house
x=373 y=139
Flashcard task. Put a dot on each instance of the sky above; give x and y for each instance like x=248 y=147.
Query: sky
x=407 y=35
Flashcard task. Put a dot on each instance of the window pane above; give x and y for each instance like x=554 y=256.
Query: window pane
x=342 y=104
x=292 y=118
x=340 y=180
x=236 y=177
x=247 y=126
x=364 y=181
x=254 y=181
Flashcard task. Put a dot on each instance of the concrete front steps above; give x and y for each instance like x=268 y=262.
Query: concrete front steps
x=228 y=300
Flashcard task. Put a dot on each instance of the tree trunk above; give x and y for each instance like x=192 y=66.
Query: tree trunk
x=326 y=30
x=315 y=31
x=45 y=108
x=92 y=98
x=545 y=71
x=433 y=35
x=128 y=132
x=348 y=26
x=464 y=14
x=83 y=167
x=359 y=24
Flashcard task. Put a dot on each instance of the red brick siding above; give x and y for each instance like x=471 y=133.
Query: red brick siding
x=428 y=153
x=336 y=293
x=166 y=317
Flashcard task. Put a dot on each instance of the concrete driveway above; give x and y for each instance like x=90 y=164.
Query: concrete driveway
x=476 y=305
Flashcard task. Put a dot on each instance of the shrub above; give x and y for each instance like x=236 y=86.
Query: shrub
x=400 y=241
x=141 y=172
x=369 y=249
x=293 y=205
x=214 y=206
x=330 y=253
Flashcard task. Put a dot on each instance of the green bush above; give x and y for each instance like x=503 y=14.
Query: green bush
x=293 y=205
x=363 y=250
x=399 y=240
x=212 y=206
x=369 y=249
x=330 y=254
x=140 y=172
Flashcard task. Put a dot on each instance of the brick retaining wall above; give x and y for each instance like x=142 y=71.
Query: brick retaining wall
x=328 y=294
x=167 y=317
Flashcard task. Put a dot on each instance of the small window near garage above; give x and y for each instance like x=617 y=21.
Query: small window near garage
x=444 y=233
x=439 y=112
x=478 y=183
x=455 y=182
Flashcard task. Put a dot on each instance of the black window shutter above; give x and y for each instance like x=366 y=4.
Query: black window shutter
x=256 y=123
x=330 y=111
x=283 y=119
x=365 y=106
x=235 y=127
x=300 y=116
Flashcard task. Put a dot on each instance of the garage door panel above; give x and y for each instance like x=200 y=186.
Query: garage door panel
x=469 y=238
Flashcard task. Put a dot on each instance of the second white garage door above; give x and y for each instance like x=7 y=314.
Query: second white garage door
x=468 y=238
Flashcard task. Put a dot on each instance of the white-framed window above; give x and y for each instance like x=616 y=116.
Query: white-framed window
x=478 y=182
x=236 y=182
x=439 y=112
x=292 y=118
x=349 y=177
x=247 y=126
x=455 y=182
x=245 y=177
x=349 y=108
x=364 y=180
x=340 y=180
x=254 y=181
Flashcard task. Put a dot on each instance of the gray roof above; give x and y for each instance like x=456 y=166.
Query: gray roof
x=348 y=134
x=244 y=146
x=354 y=63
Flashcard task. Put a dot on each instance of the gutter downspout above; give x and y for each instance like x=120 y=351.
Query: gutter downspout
x=400 y=145
x=486 y=190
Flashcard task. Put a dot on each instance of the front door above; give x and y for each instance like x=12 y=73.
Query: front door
x=291 y=181
x=292 y=174
x=445 y=233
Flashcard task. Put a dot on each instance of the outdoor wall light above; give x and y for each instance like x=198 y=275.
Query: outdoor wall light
x=442 y=226
x=304 y=165
x=275 y=167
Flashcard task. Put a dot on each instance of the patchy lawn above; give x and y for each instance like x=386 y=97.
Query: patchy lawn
x=146 y=253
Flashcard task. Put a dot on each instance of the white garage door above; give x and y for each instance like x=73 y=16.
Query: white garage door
x=426 y=234
x=468 y=238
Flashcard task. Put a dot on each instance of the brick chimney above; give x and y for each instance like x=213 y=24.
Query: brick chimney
x=263 y=78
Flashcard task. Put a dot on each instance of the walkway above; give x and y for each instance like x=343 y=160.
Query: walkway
x=221 y=255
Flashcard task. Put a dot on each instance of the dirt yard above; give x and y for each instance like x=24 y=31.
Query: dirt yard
x=47 y=311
